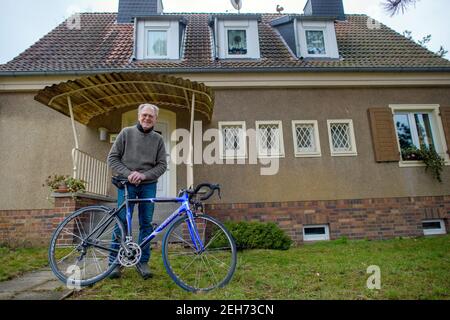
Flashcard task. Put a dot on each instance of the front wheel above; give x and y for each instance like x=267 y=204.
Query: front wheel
x=194 y=268
x=83 y=249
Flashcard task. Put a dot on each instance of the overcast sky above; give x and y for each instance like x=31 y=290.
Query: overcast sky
x=23 y=22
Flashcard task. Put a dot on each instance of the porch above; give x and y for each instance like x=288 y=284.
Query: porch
x=107 y=103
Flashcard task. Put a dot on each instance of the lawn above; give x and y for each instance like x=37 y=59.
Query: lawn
x=410 y=269
x=14 y=262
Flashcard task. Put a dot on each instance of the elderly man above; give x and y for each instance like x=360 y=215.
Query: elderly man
x=139 y=155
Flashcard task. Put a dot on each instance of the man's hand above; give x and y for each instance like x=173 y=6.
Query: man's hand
x=136 y=177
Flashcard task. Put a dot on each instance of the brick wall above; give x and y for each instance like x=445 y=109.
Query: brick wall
x=355 y=219
x=35 y=227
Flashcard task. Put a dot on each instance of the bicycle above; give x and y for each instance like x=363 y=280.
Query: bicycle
x=199 y=253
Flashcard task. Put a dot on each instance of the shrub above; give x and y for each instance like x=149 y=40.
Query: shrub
x=258 y=235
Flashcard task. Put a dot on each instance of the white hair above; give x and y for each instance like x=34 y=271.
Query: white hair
x=144 y=105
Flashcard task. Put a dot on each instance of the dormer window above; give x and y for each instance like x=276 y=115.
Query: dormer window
x=307 y=36
x=236 y=36
x=317 y=39
x=237 y=42
x=156 y=44
x=159 y=37
x=315 y=42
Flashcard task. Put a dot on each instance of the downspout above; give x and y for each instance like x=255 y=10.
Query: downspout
x=190 y=164
x=297 y=40
x=216 y=39
x=133 y=56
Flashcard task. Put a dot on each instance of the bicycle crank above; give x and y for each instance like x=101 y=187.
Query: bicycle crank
x=130 y=256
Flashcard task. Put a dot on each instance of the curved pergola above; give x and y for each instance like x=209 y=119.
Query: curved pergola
x=98 y=94
x=88 y=97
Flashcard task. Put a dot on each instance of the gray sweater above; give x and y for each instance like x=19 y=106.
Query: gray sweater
x=134 y=150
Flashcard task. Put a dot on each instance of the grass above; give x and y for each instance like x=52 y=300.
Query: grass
x=14 y=262
x=410 y=269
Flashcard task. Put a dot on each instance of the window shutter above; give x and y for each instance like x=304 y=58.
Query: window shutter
x=383 y=135
x=445 y=117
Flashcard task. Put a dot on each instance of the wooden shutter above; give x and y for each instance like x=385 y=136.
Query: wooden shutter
x=384 y=136
x=445 y=117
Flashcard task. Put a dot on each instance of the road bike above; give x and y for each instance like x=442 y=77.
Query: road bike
x=199 y=253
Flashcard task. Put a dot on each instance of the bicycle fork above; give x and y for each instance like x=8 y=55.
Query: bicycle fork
x=193 y=232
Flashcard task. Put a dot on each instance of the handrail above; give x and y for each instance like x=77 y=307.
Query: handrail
x=95 y=172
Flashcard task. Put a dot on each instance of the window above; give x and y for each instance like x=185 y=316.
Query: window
x=236 y=37
x=232 y=140
x=413 y=132
x=306 y=138
x=315 y=42
x=237 y=42
x=316 y=233
x=269 y=138
x=156 y=43
x=341 y=137
x=417 y=127
x=431 y=227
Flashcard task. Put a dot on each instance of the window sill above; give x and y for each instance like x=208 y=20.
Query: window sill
x=308 y=155
x=412 y=164
x=352 y=154
x=265 y=156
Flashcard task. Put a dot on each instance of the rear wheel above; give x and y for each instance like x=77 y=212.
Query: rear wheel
x=194 y=269
x=83 y=249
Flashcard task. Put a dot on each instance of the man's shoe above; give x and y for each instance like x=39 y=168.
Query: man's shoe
x=116 y=273
x=144 y=270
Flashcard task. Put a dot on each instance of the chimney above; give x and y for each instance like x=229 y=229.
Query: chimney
x=333 y=8
x=128 y=9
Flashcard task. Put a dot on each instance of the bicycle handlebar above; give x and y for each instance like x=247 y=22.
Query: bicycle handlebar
x=212 y=188
x=121 y=182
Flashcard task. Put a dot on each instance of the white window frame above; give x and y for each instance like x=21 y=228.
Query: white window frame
x=252 y=33
x=324 y=237
x=320 y=55
x=262 y=154
x=172 y=29
x=329 y=36
x=353 y=152
x=237 y=56
x=436 y=128
x=430 y=232
x=150 y=29
x=318 y=152
x=242 y=153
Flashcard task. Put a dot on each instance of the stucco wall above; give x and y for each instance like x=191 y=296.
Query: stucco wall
x=35 y=142
x=327 y=177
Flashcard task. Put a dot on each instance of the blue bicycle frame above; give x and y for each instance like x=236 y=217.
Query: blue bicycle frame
x=184 y=208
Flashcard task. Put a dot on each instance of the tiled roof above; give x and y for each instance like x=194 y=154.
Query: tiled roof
x=101 y=44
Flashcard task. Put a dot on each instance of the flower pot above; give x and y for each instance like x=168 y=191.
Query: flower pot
x=62 y=189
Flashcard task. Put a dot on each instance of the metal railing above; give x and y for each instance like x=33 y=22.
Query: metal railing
x=95 y=172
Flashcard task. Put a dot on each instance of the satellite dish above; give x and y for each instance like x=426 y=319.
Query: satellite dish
x=237 y=4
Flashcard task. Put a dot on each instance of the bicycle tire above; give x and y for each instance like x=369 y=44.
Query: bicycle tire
x=69 y=237
x=180 y=254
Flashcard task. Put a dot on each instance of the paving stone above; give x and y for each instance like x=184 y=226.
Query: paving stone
x=42 y=295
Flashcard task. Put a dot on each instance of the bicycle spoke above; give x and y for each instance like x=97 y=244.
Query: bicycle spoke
x=202 y=270
x=90 y=255
x=212 y=271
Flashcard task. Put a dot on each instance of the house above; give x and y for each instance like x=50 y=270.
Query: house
x=331 y=101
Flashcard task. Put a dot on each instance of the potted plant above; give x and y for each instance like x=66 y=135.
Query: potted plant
x=428 y=155
x=64 y=183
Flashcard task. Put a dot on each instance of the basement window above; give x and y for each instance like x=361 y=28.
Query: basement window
x=316 y=233
x=432 y=227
